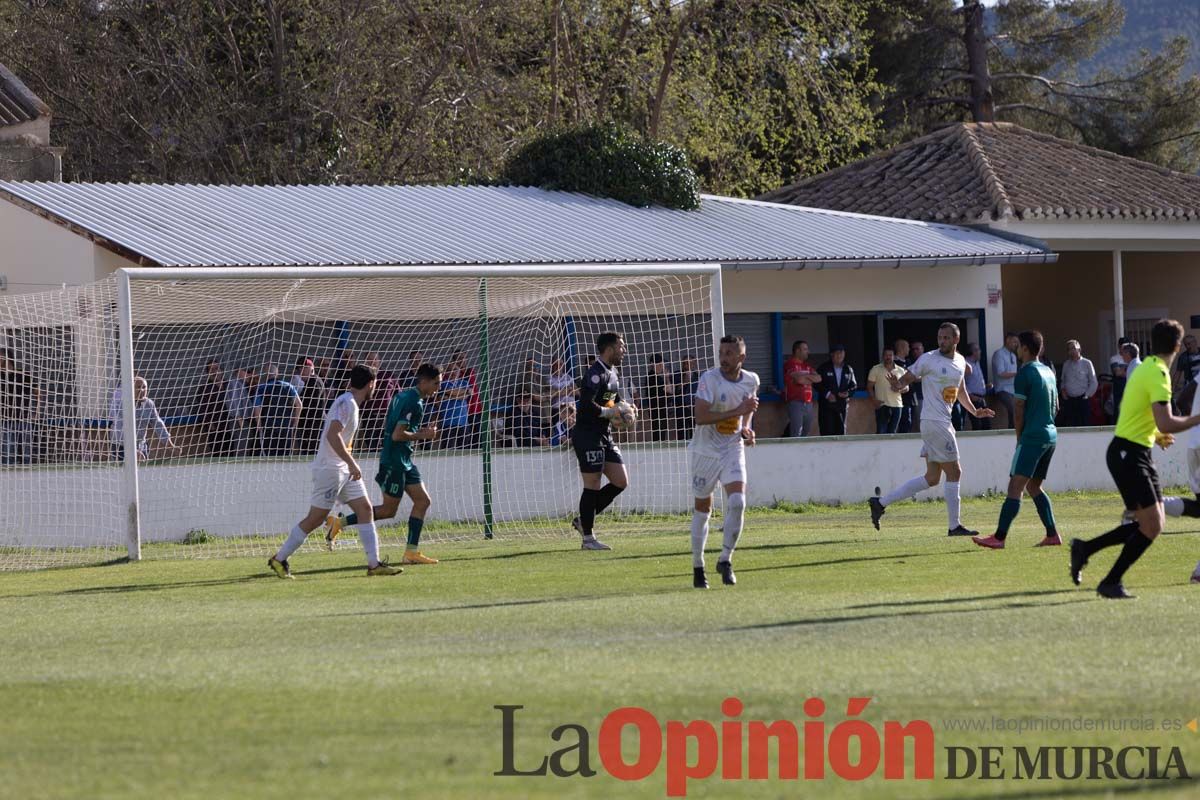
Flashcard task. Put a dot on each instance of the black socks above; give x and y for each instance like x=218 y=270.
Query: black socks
x=606 y=495
x=1131 y=552
x=1111 y=539
x=587 y=509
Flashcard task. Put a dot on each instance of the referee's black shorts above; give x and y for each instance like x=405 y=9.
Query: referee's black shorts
x=1133 y=471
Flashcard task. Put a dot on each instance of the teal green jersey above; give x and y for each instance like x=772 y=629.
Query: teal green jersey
x=1035 y=384
x=406 y=408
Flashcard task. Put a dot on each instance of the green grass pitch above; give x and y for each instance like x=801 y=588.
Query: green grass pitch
x=213 y=679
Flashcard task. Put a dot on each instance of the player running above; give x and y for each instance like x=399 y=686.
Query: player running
x=941 y=373
x=598 y=455
x=1036 y=395
x=1144 y=419
x=397 y=474
x=1179 y=506
x=726 y=399
x=337 y=477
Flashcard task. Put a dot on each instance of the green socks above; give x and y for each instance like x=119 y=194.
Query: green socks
x=414 y=532
x=1046 y=512
x=1008 y=512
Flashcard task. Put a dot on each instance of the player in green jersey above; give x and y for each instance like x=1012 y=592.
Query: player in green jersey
x=1036 y=394
x=397 y=474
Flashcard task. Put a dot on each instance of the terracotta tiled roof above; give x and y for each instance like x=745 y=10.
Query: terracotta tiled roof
x=17 y=103
x=991 y=171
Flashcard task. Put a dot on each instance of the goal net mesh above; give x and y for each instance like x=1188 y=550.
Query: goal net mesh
x=238 y=373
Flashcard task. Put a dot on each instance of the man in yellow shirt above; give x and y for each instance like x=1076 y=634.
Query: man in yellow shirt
x=1145 y=419
x=887 y=401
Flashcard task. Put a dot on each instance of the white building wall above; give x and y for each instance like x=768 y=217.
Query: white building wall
x=37 y=255
x=867 y=290
x=832 y=470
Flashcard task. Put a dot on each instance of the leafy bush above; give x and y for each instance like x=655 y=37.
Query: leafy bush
x=197 y=536
x=607 y=161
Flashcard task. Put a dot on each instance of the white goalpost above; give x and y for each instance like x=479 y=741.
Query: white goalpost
x=169 y=413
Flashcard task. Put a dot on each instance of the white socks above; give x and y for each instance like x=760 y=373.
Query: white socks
x=370 y=541
x=910 y=488
x=735 y=514
x=1173 y=506
x=699 y=537
x=292 y=544
x=952 y=504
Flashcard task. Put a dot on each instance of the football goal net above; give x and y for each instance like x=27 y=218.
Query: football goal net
x=167 y=413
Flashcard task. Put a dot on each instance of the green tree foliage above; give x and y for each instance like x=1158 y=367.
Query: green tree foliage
x=608 y=161
x=321 y=91
x=946 y=61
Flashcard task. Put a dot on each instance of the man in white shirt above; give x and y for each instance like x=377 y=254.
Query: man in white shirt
x=1079 y=384
x=562 y=384
x=338 y=478
x=1131 y=355
x=1004 y=372
x=726 y=399
x=146 y=420
x=942 y=373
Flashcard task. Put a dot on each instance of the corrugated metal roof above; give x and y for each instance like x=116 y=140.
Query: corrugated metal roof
x=17 y=103
x=187 y=225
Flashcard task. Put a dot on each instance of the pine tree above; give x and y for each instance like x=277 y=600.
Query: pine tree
x=946 y=62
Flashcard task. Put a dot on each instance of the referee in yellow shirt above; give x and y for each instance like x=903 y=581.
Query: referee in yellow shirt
x=1145 y=419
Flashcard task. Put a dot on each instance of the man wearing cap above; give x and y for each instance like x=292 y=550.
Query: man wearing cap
x=837 y=384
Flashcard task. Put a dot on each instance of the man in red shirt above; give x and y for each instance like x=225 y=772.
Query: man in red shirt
x=798 y=380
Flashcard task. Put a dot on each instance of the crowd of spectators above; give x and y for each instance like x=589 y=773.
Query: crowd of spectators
x=816 y=397
x=260 y=412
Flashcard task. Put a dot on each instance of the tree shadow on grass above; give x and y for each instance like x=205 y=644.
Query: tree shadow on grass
x=533 y=601
x=520 y=554
x=160 y=587
x=143 y=587
x=949 y=600
x=746 y=548
x=898 y=557
x=841 y=620
x=468 y=606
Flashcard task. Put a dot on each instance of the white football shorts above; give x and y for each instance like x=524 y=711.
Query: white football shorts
x=938 y=442
x=332 y=485
x=708 y=471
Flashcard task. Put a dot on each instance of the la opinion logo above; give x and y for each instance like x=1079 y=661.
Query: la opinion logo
x=727 y=745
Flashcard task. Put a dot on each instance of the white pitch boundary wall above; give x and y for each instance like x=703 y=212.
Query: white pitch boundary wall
x=847 y=469
x=270 y=497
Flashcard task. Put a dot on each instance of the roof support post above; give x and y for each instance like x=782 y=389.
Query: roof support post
x=1118 y=296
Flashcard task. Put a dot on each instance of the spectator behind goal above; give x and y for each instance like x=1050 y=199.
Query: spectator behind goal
x=277 y=410
x=146 y=419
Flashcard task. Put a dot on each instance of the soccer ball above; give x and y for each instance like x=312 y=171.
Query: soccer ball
x=625 y=416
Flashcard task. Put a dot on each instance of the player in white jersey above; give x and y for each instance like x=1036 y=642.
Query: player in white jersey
x=1179 y=506
x=942 y=374
x=726 y=399
x=337 y=477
